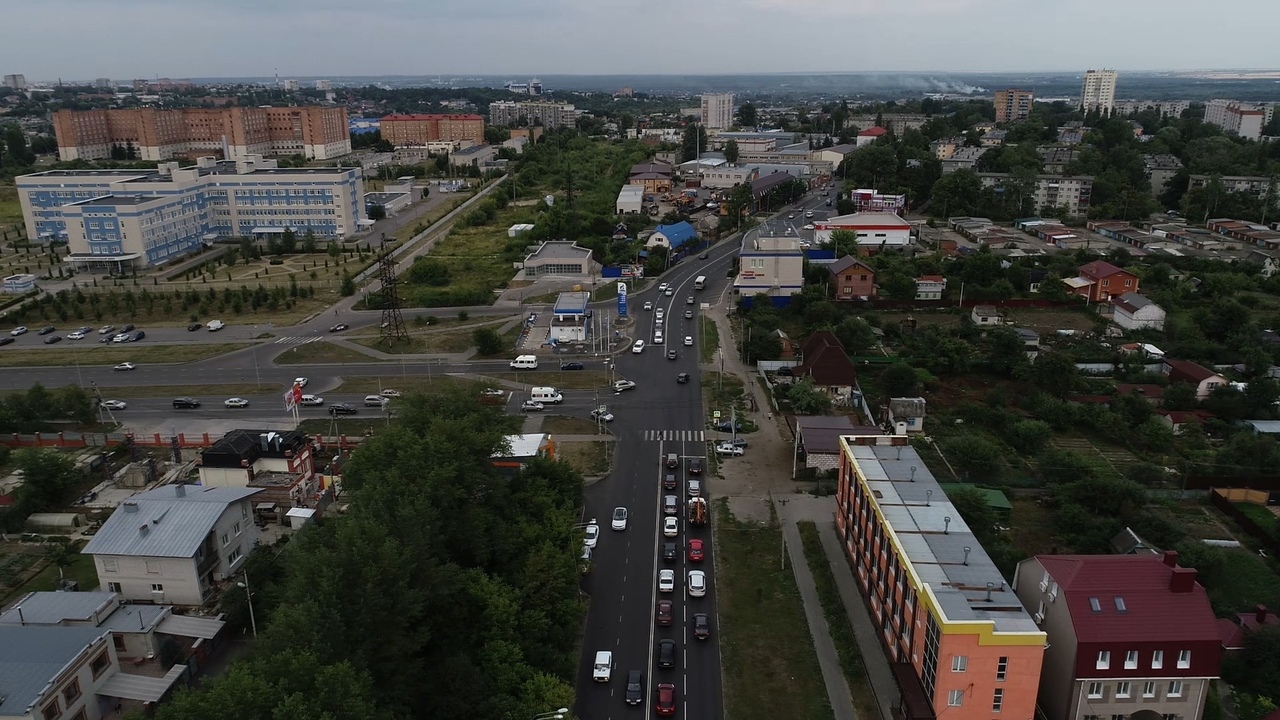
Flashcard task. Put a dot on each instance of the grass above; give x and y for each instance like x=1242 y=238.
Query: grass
x=709 y=343
x=855 y=672
x=474 y=257
x=562 y=379
x=96 y=355
x=10 y=208
x=81 y=570
x=565 y=425
x=345 y=426
x=1260 y=515
x=455 y=340
x=588 y=458
x=431 y=217
x=321 y=352
x=172 y=314
x=770 y=667
x=1246 y=581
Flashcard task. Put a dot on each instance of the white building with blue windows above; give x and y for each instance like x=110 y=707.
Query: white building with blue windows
x=121 y=219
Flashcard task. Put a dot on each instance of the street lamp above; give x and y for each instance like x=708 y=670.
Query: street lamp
x=552 y=715
x=248 y=597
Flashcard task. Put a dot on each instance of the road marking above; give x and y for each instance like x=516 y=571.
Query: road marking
x=675 y=436
x=296 y=340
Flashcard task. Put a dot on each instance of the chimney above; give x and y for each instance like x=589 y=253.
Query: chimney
x=180 y=490
x=1260 y=614
x=1171 y=558
x=143 y=530
x=1183 y=580
x=131 y=507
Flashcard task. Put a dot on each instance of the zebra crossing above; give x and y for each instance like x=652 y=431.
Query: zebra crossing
x=296 y=340
x=675 y=435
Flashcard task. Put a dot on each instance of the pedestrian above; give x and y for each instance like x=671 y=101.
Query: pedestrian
x=335 y=312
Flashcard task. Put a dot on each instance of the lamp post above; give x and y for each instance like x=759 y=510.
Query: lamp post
x=248 y=597
x=552 y=715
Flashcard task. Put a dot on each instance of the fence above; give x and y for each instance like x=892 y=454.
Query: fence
x=1219 y=498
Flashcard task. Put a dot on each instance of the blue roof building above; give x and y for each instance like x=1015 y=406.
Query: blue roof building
x=672 y=236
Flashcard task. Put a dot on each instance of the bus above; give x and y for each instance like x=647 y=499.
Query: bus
x=699 y=282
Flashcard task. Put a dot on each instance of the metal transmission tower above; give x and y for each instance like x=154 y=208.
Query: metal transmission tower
x=392 y=321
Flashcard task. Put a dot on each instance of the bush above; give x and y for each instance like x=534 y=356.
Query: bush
x=973 y=455
x=487 y=340
x=1029 y=436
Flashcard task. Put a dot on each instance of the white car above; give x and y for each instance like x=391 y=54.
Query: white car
x=488 y=392
x=638 y=347
x=669 y=292
x=121 y=338
x=235 y=403
x=725 y=448
x=126 y=366
x=697 y=583
x=77 y=335
x=619 y=518
x=300 y=382
x=648 y=306
x=389 y=393
x=688 y=340
x=112 y=405
x=20 y=330
x=311 y=400
x=593 y=534
x=621 y=385
x=663 y=287
x=602 y=414
x=666 y=580
x=532 y=406
x=808 y=227
x=671 y=526
x=659 y=313
x=688 y=314
x=104 y=330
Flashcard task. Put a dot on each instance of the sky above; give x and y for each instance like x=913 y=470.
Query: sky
x=126 y=39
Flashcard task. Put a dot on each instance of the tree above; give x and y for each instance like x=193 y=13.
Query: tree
x=807 y=399
x=487 y=340
x=747 y=115
x=1029 y=436
x=974 y=455
x=694 y=142
x=288 y=241
x=348 y=287
x=956 y=193
x=1053 y=372
x=377 y=212
x=899 y=286
x=427 y=270
x=731 y=152
x=977 y=512
x=1005 y=350
x=900 y=380
x=47 y=478
x=762 y=346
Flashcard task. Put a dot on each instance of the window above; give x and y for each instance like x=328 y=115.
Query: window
x=1002 y=667
x=997 y=700
x=1184 y=659
x=153 y=567
x=82 y=715
x=113 y=587
x=1094 y=605
x=1175 y=689
x=99 y=664
x=1157 y=659
x=1148 y=689
x=157 y=587
x=1104 y=660
x=1095 y=690
x=51 y=711
x=233 y=557
x=959 y=663
x=1131 y=660
x=71 y=692
x=110 y=565
x=1122 y=690
x=955 y=697
x=1170 y=716
x=1118 y=717
x=226 y=539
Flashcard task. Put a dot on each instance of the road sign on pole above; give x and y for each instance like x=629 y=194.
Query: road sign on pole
x=622 y=300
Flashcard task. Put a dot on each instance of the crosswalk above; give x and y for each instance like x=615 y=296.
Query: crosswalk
x=297 y=339
x=675 y=435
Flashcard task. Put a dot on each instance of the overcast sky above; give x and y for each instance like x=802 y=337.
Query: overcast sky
x=125 y=39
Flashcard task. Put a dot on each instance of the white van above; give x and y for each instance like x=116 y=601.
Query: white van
x=312 y=400
x=525 y=362
x=215 y=325
x=657 y=337
x=603 y=667
x=545 y=395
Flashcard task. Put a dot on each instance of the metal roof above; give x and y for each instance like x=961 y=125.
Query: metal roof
x=176 y=518
x=190 y=626
x=30 y=657
x=51 y=608
x=143 y=688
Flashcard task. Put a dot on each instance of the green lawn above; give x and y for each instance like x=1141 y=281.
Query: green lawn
x=588 y=458
x=709 y=343
x=1261 y=515
x=1242 y=581
x=69 y=354
x=475 y=259
x=321 y=352
x=81 y=570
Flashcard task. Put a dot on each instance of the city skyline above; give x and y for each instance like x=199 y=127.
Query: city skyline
x=495 y=37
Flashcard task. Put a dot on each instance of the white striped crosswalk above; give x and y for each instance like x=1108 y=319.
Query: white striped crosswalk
x=675 y=435
x=297 y=339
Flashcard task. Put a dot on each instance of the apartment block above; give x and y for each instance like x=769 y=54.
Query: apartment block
x=15 y=82
x=1160 y=169
x=1013 y=105
x=419 y=130
x=1254 y=185
x=1052 y=191
x=1099 y=91
x=959 y=642
x=319 y=133
x=546 y=114
x=120 y=219
x=1166 y=108
x=717 y=111
x=1237 y=118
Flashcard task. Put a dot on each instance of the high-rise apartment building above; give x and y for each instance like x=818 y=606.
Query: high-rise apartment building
x=1099 y=92
x=102 y=83
x=15 y=82
x=319 y=133
x=1013 y=105
x=1237 y=118
x=324 y=85
x=717 y=111
x=417 y=130
x=546 y=114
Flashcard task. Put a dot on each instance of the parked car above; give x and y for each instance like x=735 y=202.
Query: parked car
x=53 y=339
x=185 y=403
x=701 y=626
x=532 y=406
x=192 y=327
x=339 y=327
x=127 y=327
x=390 y=393
x=592 y=533
x=235 y=403
x=112 y=405
x=736 y=441
x=104 y=330
x=729 y=426
x=125 y=366
x=572 y=365
x=77 y=335
x=729 y=449
x=342 y=409
x=6 y=340
x=493 y=392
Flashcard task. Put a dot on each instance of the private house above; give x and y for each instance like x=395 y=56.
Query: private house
x=1130 y=636
x=672 y=236
x=906 y=415
x=1179 y=420
x=281 y=464
x=986 y=316
x=825 y=363
x=930 y=287
x=817 y=440
x=1185 y=371
x=56 y=672
x=175 y=543
x=654 y=175
x=1100 y=281
x=1132 y=311
x=1152 y=393
x=1234 y=632
x=852 y=279
x=521 y=449
x=870 y=135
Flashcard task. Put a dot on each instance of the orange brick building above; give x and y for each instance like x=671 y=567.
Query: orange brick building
x=402 y=130
x=319 y=133
x=958 y=640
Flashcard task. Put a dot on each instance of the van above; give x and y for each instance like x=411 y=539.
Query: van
x=545 y=395
x=215 y=325
x=311 y=400
x=525 y=362
x=602 y=669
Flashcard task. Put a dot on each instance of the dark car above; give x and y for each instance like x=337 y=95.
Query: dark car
x=571 y=365
x=728 y=426
x=783 y=372
x=671 y=355
x=666 y=699
x=669 y=482
x=635 y=687
x=701 y=626
x=185 y=403
x=665 y=614
x=682 y=378
x=695 y=466
x=137 y=335
x=670 y=552
x=342 y=409
x=192 y=327
x=52 y=339
x=128 y=327
x=46 y=330
x=5 y=340
x=704 y=256
x=736 y=442
x=666 y=653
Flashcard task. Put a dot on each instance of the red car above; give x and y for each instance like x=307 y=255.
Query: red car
x=665 y=614
x=695 y=551
x=666 y=699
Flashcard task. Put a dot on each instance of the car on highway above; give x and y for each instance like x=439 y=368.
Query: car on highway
x=663 y=287
x=493 y=392
x=666 y=699
x=603 y=668
x=339 y=327
x=671 y=526
x=701 y=626
x=235 y=402
x=342 y=409
x=112 y=405
x=688 y=300
x=659 y=313
x=53 y=339
x=532 y=406
x=666 y=580
x=602 y=414
x=665 y=615
x=808 y=227
x=6 y=340
x=688 y=314
x=688 y=340
x=572 y=365
x=670 y=504
x=621 y=385
x=673 y=460
x=635 y=687
x=669 y=292
x=666 y=653
x=672 y=355
x=648 y=306
x=670 y=552
x=77 y=335
x=619 y=521
x=669 y=482
x=215 y=325
x=311 y=400
x=682 y=378
x=695 y=466
x=390 y=393
x=697 y=583
x=125 y=366
x=704 y=256
x=729 y=449
x=828 y=203
x=809 y=214
x=695 y=551
x=104 y=330
x=46 y=330
x=791 y=216
x=301 y=381
x=185 y=403
x=192 y=327
x=592 y=535
x=638 y=347
x=376 y=401
x=20 y=330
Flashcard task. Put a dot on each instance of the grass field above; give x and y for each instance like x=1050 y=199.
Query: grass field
x=770 y=668
x=588 y=458
x=321 y=352
x=709 y=342
x=125 y=392
x=436 y=339
x=10 y=209
x=166 y=312
x=564 y=425
x=96 y=355
x=474 y=258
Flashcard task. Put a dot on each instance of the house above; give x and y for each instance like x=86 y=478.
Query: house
x=280 y=463
x=1234 y=632
x=930 y=287
x=874 y=231
x=870 y=135
x=521 y=449
x=826 y=364
x=1128 y=542
x=671 y=236
x=1130 y=635
x=906 y=415
x=817 y=440
x=1179 y=420
x=834 y=154
x=654 y=176
x=986 y=315
x=852 y=279
x=630 y=200
x=1100 y=280
x=1132 y=311
x=1185 y=371
x=175 y=543
x=786 y=343
x=1152 y=393
x=770 y=265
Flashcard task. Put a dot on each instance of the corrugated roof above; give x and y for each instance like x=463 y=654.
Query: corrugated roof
x=30 y=657
x=51 y=608
x=176 y=524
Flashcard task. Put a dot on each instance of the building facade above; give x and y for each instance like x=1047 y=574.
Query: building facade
x=1132 y=311
x=1013 y=105
x=1236 y=118
x=424 y=129
x=875 y=231
x=281 y=464
x=16 y=81
x=1068 y=192
x=1099 y=91
x=717 y=111
x=136 y=218
x=546 y=114
x=1166 y=108
x=319 y=133
x=770 y=265
x=1255 y=185
x=1160 y=169
x=852 y=279
x=959 y=642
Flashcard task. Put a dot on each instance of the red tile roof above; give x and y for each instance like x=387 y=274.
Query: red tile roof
x=1098 y=269
x=873 y=132
x=1178 y=417
x=1152 y=611
x=1187 y=371
x=931 y=278
x=1232 y=634
x=826 y=362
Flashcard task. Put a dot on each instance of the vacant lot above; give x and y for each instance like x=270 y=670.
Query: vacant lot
x=564 y=425
x=94 y=354
x=469 y=265
x=436 y=339
x=321 y=352
x=588 y=458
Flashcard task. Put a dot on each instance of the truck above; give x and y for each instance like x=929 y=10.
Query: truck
x=697 y=511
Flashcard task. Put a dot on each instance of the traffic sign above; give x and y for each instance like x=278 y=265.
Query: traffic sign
x=715 y=414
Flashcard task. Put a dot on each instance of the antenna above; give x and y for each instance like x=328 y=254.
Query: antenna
x=392 y=320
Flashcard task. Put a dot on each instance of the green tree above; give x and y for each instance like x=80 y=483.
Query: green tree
x=1029 y=437
x=377 y=212
x=487 y=340
x=1053 y=372
x=900 y=380
x=427 y=270
x=974 y=455
x=47 y=478
x=807 y=399
x=348 y=287
x=899 y=286
x=731 y=152
x=1005 y=351
x=694 y=142
x=976 y=511
x=747 y=116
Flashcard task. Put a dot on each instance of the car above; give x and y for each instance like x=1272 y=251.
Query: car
x=665 y=615
x=311 y=400
x=666 y=699
x=695 y=466
x=126 y=328
x=53 y=339
x=602 y=414
x=663 y=287
x=736 y=441
x=791 y=216
x=104 y=330
x=784 y=371
x=622 y=385
x=666 y=580
x=688 y=314
x=695 y=551
x=376 y=401
x=688 y=300
x=697 y=583
x=659 y=313
x=603 y=667
x=809 y=214
x=669 y=481
x=808 y=227
x=682 y=378
x=390 y=393
x=112 y=405
x=635 y=687
x=673 y=460
x=572 y=365
x=729 y=449
x=20 y=330
x=125 y=366
x=648 y=306
x=493 y=392
x=666 y=653
x=638 y=347
x=532 y=406
x=729 y=426
x=185 y=403
x=670 y=552
x=688 y=340
x=339 y=327
x=619 y=519
x=301 y=381
x=669 y=292
x=235 y=402
x=657 y=324
x=704 y=256
x=6 y=340
x=672 y=355
x=343 y=409
x=592 y=534
x=828 y=203
x=701 y=626
x=46 y=330
x=671 y=526
x=121 y=337
x=670 y=504
x=192 y=327
x=77 y=335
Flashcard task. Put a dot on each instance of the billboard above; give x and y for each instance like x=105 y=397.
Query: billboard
x=622 y=300
x=292 y=397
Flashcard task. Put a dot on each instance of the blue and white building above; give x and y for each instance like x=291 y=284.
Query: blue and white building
x=120 y=219
x=672 y=236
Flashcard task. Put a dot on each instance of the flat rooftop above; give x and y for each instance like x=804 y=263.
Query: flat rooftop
x=114 y=200
x=382 y=198
x=572 y=303
x=560 y=250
